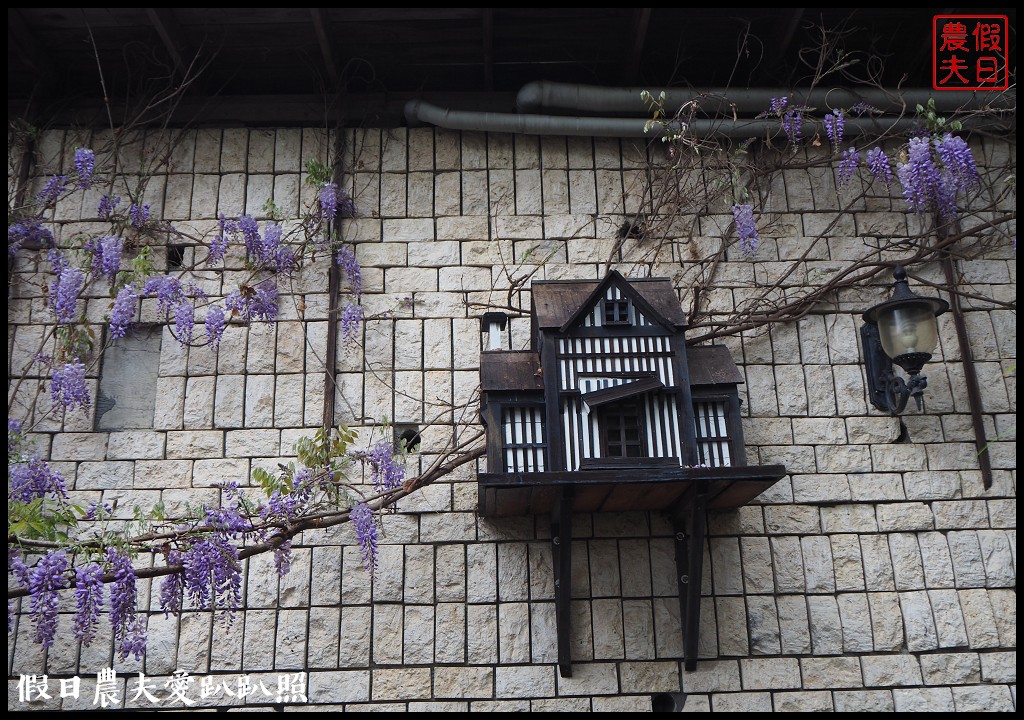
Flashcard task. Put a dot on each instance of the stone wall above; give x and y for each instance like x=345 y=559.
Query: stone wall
x=879 y=575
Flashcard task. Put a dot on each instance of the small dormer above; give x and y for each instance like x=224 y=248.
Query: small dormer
x=609 y=411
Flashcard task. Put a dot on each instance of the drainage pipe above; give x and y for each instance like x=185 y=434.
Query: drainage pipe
x=544 y=94
x=418 y=112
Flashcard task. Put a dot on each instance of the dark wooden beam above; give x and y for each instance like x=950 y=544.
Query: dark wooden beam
x=167 y=28
x=321 y=25
x=788 y=23
x=631 y=67
x=561 y=551
x=488 y=33
x=31 y=50
x=690 y=526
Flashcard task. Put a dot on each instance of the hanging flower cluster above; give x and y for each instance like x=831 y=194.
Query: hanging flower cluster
x=27 y=481
x=27 y=231
x=64 y=291
x=106 y=256
x=85 y=165
x=835 y=123
x=936 y=171
x=879 y=166
x=202 y=561
x=67 y=387
x=847 y=166
x=746 y=228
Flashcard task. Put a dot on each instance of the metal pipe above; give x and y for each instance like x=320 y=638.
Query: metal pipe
x=544 y=94
x=970 y=374
x=418 y=112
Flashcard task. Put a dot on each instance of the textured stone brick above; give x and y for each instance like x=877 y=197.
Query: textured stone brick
x=864 y=701
x=923 y=700
x=951 y=669
x=980 y=698
x=918 y=621
x=770 y=674
x=891 y=671
x=523 y=681
x=742 y=702
x=463 y=682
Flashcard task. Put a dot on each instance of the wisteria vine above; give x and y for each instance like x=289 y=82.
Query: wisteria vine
x=55 y=546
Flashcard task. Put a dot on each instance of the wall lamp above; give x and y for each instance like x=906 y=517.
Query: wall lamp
x=903 y=331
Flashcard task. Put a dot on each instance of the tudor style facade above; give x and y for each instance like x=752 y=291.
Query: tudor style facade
x=609 y=411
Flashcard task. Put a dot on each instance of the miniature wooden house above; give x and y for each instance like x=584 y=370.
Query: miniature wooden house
x=609 y=411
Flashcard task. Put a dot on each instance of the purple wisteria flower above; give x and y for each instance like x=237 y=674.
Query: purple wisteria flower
x=88 y=602
x=138 y=215
x=366 y=534
x=792 y=124
x=746 y=228
x=834 y=126
x=219 y=246
x=228 y=521
x=346 y=259
x=280 y=505
x=64 y=293
x=213 y=575
x=107 y=207
x=346 y=206
x=129 y=634
x=67 y=387
x=265 y=251
x=847 y=166
x=53 y=189
x=44 y=581
x=778 y=104
x=134 y=641
x=85 y=164
x=283 y=558
x=351 y=317
x=106 y=256
x=99 y=511
x=58 y=263
x=167 y=289
x=257 y=302
x=34 y=479
x=250 y=230
x=27 y=231
x=863 y=108
x=386 y=473
x=171 y=586
x=14 y=435
x=214 y=325
x=328 y=201
x=922 y=182
x=123 y=314
x=184 y=321
x=17 y=567
x=878 y=163
x=958 y=162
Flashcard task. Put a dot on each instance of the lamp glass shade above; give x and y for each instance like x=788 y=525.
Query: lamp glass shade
x=908 y=328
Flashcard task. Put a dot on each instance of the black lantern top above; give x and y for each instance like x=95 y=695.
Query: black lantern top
x=906 y=324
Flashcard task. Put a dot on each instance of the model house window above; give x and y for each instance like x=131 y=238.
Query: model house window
x=523 y=446
x=616 y=312
x=710 y=419
x=621 y=431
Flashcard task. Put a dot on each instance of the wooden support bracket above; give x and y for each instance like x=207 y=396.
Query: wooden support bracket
x=689 y=525
x=561 y=551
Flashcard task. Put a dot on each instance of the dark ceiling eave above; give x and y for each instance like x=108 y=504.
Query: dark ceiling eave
x=392 y=110
x=350 y=110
